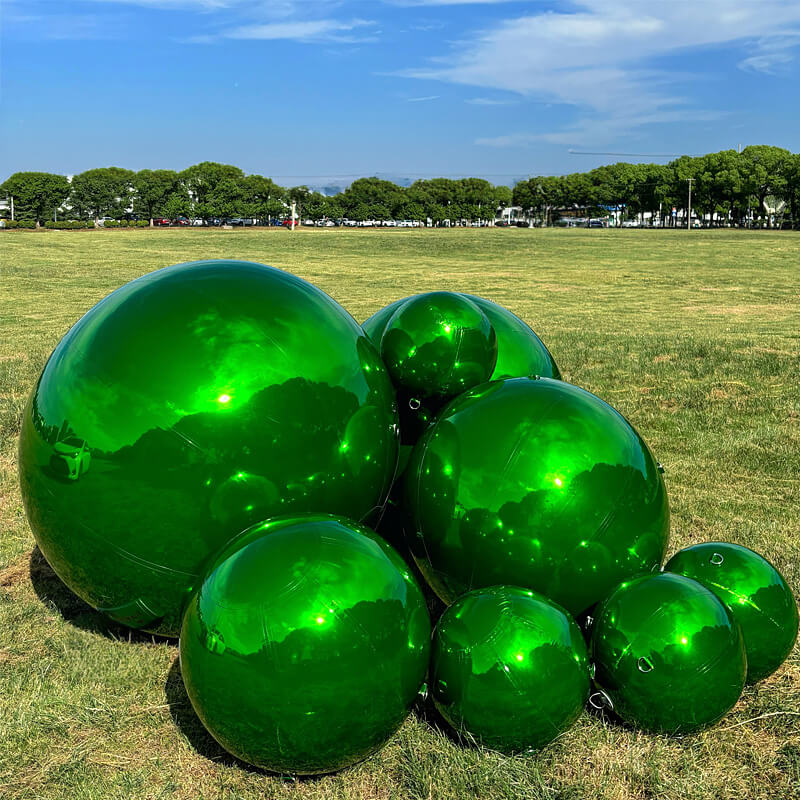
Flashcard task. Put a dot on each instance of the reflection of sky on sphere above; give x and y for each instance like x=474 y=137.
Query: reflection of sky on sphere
x=175 y=345
x=304 y=589
x=544 y=451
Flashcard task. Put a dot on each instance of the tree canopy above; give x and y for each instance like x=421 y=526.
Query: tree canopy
x=760 y=184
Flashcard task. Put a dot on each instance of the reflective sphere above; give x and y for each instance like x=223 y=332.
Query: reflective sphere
x=668 y=654
x=520 y=352
x=438 y=344
x=306 y=645
x=509 y=667
x=534 y=483
x=183 y=408
x=754 y=592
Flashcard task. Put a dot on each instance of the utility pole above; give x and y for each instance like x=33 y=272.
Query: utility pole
x=689 y=216
x=12 y=207
x=294 y=213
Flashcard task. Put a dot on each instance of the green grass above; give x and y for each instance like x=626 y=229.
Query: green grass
x=695 y=336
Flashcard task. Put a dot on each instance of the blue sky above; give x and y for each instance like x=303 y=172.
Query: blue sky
x=320 y=90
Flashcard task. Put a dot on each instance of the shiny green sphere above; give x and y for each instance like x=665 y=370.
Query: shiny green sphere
x=509 y=667
x=306 y=644
x=534 y=483
x=520 y=352
x=668 y=654
x=183 y=408
x=755 y=593
x=438 y=344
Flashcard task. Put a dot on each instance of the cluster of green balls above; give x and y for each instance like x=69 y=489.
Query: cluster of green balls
x=219 y=451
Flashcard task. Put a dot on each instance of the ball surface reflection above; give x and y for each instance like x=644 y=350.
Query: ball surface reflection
x=509 y=667
x=183 y=408
x=438 y=344
x=306 y=645
x=534 y=483
x=668 y=654
x=755 y=593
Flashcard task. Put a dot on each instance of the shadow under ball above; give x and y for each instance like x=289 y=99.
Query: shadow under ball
x=668 y=654
x=306 y=645
x=538 y=484
x=186 y=406
x=508 y=667
x=755 y=593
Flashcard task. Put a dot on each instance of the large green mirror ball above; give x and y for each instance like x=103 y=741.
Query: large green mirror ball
x=668 y=654
x=755 y=593
x=306 y=644
x=520 y=352
x=186 y=406
x=509 y=667
x=534 y=483
x=438 y=344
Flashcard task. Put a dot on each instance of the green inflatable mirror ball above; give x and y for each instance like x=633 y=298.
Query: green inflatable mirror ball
x=755 y=593
x=509 y=667
x=534 y=483
x=520 y=352
x=183 y=408
x=668 y=655
x=438 y=344
x=306 y=645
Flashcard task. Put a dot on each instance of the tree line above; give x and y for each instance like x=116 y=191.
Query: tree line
x=761 y=183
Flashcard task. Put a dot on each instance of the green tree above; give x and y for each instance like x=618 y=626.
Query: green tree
x=201 y=181
x=263 y=198
x=151 y=189
x=103 y=191
x=765 y=172
x=37 y=195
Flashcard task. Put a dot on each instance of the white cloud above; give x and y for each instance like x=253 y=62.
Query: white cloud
x=423 y=99
x=301 y=31
x=448 y=2
x=772 y=55
x=597 y=58
x=488 y=101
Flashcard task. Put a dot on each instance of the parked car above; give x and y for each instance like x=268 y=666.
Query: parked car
x=234 y=221
x=287 y=223
x=161 y=222
x=181 y=221
x=198 y=223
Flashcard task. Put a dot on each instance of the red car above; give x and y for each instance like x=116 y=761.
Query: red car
x=180 y=221
x=287 y=223
x=160 y=221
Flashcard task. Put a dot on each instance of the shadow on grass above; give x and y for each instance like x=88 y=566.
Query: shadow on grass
x=53 y=592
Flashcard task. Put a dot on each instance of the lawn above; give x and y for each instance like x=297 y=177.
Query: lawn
x=694 y=336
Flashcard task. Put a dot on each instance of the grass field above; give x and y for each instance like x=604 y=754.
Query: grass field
x=695 y=336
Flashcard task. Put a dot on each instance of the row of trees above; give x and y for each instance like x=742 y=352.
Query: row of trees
x=727 y=187
x=759 y=183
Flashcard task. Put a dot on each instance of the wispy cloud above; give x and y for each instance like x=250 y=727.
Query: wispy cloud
x=597 y=58
x=422 y=99
x=449 y=2
x=772 y=55
x=301 y=31
x=488 y=101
